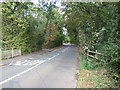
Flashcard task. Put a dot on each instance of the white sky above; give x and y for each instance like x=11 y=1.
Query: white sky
x=57 y=3
x=35 y=1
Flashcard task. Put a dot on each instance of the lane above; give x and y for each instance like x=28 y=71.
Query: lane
x=57 y=71
x=15 y=68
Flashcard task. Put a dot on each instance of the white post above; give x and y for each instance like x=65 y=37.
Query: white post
x=20 y=51
x=12 y=52
x=0 y=54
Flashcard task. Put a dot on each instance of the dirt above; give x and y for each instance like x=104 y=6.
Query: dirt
x=85 y=79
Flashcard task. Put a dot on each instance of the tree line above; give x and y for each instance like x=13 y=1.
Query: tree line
x=92 y=26
x=95 y=26
x=31 y=26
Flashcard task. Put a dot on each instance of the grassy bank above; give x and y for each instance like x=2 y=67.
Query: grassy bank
x=92 y=75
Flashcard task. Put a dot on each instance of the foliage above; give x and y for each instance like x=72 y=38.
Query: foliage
x=27 y=25
x=54 y=24
x=95 y=26
x=66 y=39
x=20 y=28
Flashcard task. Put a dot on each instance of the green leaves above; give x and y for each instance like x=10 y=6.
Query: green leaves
x=95 y=25
x=19 y=27
x=25 y=25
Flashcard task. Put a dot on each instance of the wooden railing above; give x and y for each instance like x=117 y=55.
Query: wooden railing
x=95 y=53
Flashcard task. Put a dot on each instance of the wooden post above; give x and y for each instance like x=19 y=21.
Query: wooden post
x=87 y=54
x=0 y=54
x=12 y=52
x=20 y=51
x=96 y=54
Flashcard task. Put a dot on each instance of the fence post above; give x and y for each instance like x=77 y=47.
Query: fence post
x=0 y=54
x=20 y=51
x=12 y=52
x=96 y=54
x=87 y=54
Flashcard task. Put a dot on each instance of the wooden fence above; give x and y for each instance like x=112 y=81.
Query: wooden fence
x=93 y=54
x=10 y=53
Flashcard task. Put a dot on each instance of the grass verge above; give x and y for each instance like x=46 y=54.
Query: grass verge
x=91 y=75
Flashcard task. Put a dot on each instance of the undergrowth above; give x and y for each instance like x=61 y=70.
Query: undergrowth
x=93 y=75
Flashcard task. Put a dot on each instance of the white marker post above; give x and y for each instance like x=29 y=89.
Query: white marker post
x=12 y=52
x=20 y=51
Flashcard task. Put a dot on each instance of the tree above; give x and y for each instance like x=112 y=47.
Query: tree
x=29 y=26
x=95 y=25
x=20 y=27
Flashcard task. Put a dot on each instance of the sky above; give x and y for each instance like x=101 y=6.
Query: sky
x=36 y=2
x=58 y=4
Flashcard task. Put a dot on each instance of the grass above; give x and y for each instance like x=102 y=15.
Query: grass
x=91 y=75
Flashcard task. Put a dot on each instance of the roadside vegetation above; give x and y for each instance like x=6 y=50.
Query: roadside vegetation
x=91 y=75
x=94 y=27
x=31 y=27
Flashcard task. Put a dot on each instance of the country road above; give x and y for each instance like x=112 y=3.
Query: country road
x=56 y=69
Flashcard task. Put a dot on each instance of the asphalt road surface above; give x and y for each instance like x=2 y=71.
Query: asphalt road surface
x=56 y=69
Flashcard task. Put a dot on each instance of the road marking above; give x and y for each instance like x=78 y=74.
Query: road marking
x=57 y=54
x=30 y=62
x=26 y=70
x=55 y=50
x=64 y=50
x=26 y=62
x=10 y=64
x=20 y=74
x=53 y=56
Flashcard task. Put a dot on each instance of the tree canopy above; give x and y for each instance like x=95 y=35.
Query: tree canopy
x=31 y=26
x=94 y=26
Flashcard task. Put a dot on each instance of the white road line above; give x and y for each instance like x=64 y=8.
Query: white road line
x=28 y=63
x=10 y=64
x=55 y=50
x=53 y=56
x=25 y=60
x=26 y=70
x=35 y=62
x=57 y=54
x=20 y=74
x=64 y=50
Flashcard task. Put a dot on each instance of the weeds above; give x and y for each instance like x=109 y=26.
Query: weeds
x=92 y=75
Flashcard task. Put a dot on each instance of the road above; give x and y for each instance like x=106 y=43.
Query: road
x=56 y=69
